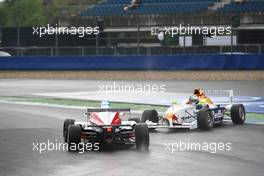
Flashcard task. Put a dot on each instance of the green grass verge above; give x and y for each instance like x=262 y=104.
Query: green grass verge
x=255 y=116
x=86 y=103
x=95 y=104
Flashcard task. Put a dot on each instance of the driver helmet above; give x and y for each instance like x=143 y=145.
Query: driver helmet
x=173 y=103
x=105 y=105
x=198 y=92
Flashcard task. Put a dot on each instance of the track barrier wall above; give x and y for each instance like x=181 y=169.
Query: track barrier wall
x=180 y=62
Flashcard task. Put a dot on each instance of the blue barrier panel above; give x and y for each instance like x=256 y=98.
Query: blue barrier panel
x=180 y=62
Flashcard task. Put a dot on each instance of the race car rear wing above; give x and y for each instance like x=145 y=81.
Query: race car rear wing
x=108 y=110
x=230 y=93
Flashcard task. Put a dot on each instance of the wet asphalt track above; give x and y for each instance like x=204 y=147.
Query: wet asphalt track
x=21 y=125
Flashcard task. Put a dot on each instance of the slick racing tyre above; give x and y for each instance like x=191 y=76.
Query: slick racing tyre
x=137 y=120
x=66 y=124
x=74 y=137
x=238 y=114
x=205 y=121
x=151 y=115
x=142 y=136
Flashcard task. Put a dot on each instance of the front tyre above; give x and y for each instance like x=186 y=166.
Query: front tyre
x=66 y=124
x=74 y=137
x=238 y=114
x=151 y=115
x=204 y=120
x=142 y=136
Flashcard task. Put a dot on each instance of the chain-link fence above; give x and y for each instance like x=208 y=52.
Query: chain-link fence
x=164 y=50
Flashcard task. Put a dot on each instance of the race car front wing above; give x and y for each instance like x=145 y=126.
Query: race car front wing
x=185 y=125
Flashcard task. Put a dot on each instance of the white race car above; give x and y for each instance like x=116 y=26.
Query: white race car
x=106 y=127
x=196 y=115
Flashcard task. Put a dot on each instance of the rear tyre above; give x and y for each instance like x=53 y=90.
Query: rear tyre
x=238 y=114
x=142 y=136
x=205 y=122
x=137 y=120
x=151 y=115
x=74 y=137
x=66 y=124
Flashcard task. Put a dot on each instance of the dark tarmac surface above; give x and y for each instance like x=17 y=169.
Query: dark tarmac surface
x=23 y=125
